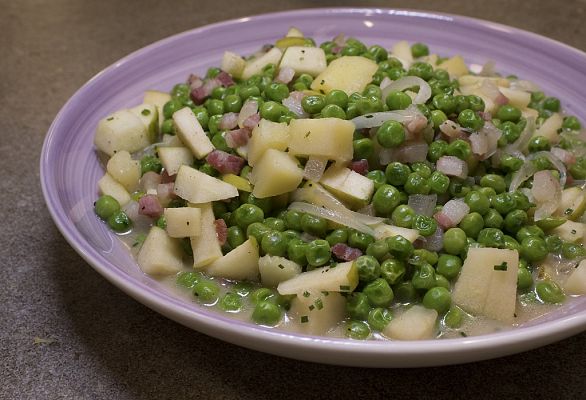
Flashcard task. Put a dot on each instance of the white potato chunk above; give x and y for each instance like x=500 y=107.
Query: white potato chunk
x=157 y=99
x=571 y=231
x=576 y=282
x=549 y=128
x=191 y=133
x=255 y=66
x=348 y=73
x=183 y=221
x=233 y=64
x=349 y=186
x=241 y=263
x=274 y=270
x=341 y=278
x=317 y=312
x=108 y=185
x=124 y=169
x=275 y=173
x=304 y=60
x=325 y=137
x=122 y=130
x=382 y=231
x=197 y=187
x=149 y=116
x=206 y=247
x=267 y=135
x=417 y=323
x=174 y=157
x=160 y=254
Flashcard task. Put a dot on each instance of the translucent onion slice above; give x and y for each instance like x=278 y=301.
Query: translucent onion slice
x=521 y=143
x=408 y=82
x=376 y=119
x=331 y=215
x=525 y=172
x=319 y=196
x=249 y=108
x=423 y=204
x=556 y=162
x=547 y=193
x=314 y=168
x=435 y=242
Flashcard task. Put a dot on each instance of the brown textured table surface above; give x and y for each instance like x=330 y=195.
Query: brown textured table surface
x=106 y=345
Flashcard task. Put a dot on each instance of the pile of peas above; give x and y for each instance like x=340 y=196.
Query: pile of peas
x=391 y=271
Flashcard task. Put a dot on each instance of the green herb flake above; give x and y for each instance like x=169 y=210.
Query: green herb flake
x=304 y=319
x=145 y=112
x=325 y=293
x=344 y=288
x=319 y=304
x=281 y=266
x=463 y=334
x=569 y=211
x=306 y=294
x=139 y=240
x=311 y=307
x=501 y=267
x=573 y=231
x=307 y=134
x=109 y=118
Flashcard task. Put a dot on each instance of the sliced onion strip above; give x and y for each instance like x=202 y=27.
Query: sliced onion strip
x=331 y=215
x=407 y=82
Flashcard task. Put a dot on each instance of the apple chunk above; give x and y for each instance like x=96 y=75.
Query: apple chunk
x=197 y=187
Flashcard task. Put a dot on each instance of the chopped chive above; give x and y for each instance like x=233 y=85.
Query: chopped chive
x=304 y=319
x=501 y=267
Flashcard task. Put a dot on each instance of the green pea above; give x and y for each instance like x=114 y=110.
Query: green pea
x=170 y=107
x=358 y=330
x=313 y=104
x=189 y=279
x=396 y=73
x=515 y=220
x=494 y=181
x=551 y=104
x=372 y=90
x=379 y=318
x=438 y=117
x=247 y=214
x=419 y=50
x=571 y=251
x=314 y=225
x=438 y=183
x=379 y=293
x=405 y=292
x=510 y=243
x=232 y=103
x=524 y=278
x=491 y=237
x=274 y=243
x=358 y=306
x=378 y=249
x=231 y=302
x=476 y=103
x=421 y=69
x=469 y=119
x=333 y=111
x=511 y=131
x=510 y=163
x=363 y=148
x=218 y=93
x=272 y=111
x=206 y=291
x=403 y=216
x=360 y=240
x=442 y=281
x=453 y=318
x=235 y=236
x=119 y=222
x=385 y=199
x=293 y=220
x=277 y=92
x=533 y=249
x=248 y=91
x=422 y=169
x=538 y=143
x=297 y=251
x=416 y=184
x=472 y=224
x=449 y=265
x=397 y=100
x=215 y=106
x=150 y=163
x=462 y=103
x=508 y=112
x=530 y=231
x=337 y=236
x=266 y=313
x=445 y=103
x=400 y=247
x=441 y=74
x=214 y=123
x=487 y=191
x=397 y=173
x=337 y=97
x=503 y=203
x=318 y=252
x=390 y=134
x=493 y=219
x=275 y=224
x=438 y=298
x=168 y=127
x=393 y=270
x=477 y=201
x=550 y=292
x=261 y=294
x=454 y=241
x=425 y=225
x=378 y=177
x=105 y=206
x=571 y=123
x=368 y=268
x=257 y=230
x=459 y=148
x=423 y=277
x=458 y=188
x=421 y=256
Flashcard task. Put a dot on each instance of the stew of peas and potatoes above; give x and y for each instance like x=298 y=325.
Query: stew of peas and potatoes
x=351 y=190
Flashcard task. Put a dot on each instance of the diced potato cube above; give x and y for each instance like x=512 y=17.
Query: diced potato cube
x=108 y=185
x=124 y=169
x=275 y=173
x=317 y=312
x=233 y=64
x=149 y=115
x=573 y=203
x=341 y=278
x=206 y=247
x=487 y=284
x=350 y=187
x=157 y=99
x=576 y=282
x=549 y=128
x=304 y=60
x=197 y=187
x=348 y=73
x=455 y=66
x=571 y=231
x=517 y=98
x=417 y=323
x=274 y=270
x=382 y=231
x=160 y=254
x=183 y=221
x=255 y=66
x=324 y=137
x=477 y=80
x=191 y=133
x=122 y=130
x=174 y=157
x=241 y=263
x=294 y=32
x=267 y=135
x=402 y=51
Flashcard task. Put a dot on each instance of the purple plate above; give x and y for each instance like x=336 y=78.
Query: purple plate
x=70 y=169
